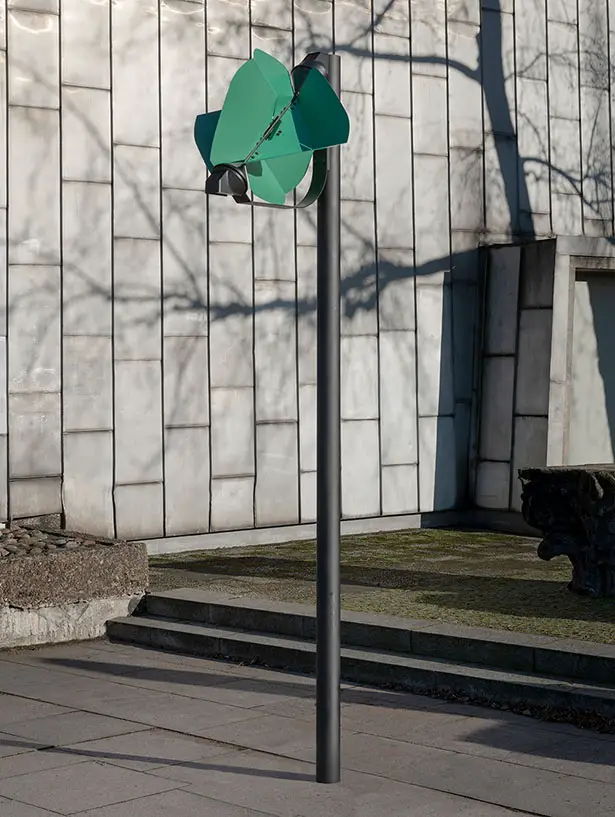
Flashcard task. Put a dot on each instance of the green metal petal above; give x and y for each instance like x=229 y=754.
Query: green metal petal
x=258 y=92
x=320 y=118
x=204 y=130
x=272 y=179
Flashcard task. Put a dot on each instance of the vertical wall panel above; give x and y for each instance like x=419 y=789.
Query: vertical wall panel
x=35 y=448
x=353 y=20
x=136 y=299
x=138 y=424
x=85 y=43
x=137 y=192
x=306 y=294
x=358 y=269
x=274 y=40
x=396 y=300
x=33 y=59
x=394 y=180
x=358 y=154
x=87 y=171
x=277 y=474
x=360 y=468
x=3 y=136
x=88 y=383
x=186 y=382
x=274 y=245
x=86 y=134
x=428 y=26
x=498 y=59
x=34 y=323
x=359 y=389
x=182 y=85
x=434 y=346
x=275 y=351
x=232 y=503
x=437 y=474
x=232 y=432
x=392 y=75
x=400 y=489
x=465 y=97
x=531 y=39
x=596 y=161
x=139 y=511
x=87 y=490
x=231 y=308
x=134 y=37
x=431 y=202
x=398 y=427
x=313 y=29
x=307 y=428
x=533 y=141
x=187 y=480
x=34 y=200
x=184 y=262
x=228 y=28
x=86 y=248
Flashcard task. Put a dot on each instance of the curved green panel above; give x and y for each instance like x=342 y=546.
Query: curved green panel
x=204 y=131
x=320 y=118
x=272 y=179
x=258 y=92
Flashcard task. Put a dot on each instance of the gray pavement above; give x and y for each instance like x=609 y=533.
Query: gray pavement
x=116 y=731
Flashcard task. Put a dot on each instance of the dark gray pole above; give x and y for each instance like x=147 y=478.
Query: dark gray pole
x=329 y=468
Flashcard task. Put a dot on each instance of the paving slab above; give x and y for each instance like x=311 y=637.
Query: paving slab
x=71 y=727
x=218 y=688
x=267 y=733
x=120 y=665
x=70 y=690
x=147 y=750
x=395 y=722
x=14 y=709
x=589 y=758
x=175 y=712
x=11 y=808
x=509 y=785
x=82 y=786
x=10 y=745
x=286 y=788
x=34 y=761
x=252 y=751
x=481 y=737
x=176 y=803
x=300 y=709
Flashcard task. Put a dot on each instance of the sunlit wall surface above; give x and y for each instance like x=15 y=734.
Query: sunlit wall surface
x=160 y=348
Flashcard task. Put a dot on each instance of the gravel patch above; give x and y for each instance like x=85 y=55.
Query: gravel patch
x=16 y=542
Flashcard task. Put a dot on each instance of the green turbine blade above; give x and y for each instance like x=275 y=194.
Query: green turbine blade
x=272 y=179
x=258 y=92
x=204 y=131
x=321 y=120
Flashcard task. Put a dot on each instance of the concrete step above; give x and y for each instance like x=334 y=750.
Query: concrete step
x=539 y=655
x=366 y=666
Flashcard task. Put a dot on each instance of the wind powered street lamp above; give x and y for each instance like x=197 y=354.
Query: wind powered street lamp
x=272 y=126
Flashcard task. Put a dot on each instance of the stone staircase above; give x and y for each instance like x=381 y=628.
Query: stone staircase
x=483 y=665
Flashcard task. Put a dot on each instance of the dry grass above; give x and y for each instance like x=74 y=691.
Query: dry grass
x=479 y=579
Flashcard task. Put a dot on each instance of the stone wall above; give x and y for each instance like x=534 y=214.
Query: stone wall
x=547 y=394
x=160 y=375
x=516 y=363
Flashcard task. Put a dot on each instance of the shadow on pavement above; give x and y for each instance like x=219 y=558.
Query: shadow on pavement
x=162 y=761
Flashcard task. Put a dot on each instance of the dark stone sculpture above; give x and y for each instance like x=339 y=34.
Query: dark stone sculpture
x=574 y=507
